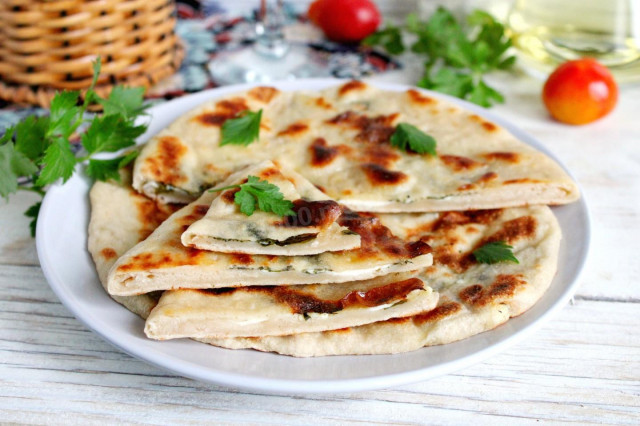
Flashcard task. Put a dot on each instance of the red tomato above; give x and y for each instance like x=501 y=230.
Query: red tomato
x=580 y=91
x=314 y=11
x=348 y=20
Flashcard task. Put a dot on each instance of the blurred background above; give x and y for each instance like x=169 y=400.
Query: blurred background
x=173 y=48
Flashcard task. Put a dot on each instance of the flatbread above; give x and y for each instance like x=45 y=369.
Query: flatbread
x=121 y=218
x=472 y=300
x=280 y=310
x=338 y=138
x=473 y=297
x=313 y=230
x=162 y=262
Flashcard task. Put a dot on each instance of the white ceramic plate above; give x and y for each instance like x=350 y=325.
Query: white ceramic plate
x=67 y=265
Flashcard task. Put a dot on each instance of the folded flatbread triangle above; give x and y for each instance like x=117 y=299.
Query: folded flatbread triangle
x=339 y=139
x=120 y=218
x=313 y=230
x=162 y=262
x=282 y=310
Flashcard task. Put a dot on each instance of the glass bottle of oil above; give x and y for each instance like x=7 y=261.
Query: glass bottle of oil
x=548 y=32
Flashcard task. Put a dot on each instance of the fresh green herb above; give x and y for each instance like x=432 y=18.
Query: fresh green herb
x=409 y=137
x=457 y=55
x=494 y=252
x=109 y=169
x=39 y=150
x=32 y=212
x=390 y=38
x=266 y=195
x=242 y=130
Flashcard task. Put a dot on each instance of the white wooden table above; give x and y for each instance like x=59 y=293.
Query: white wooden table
x=582 y=366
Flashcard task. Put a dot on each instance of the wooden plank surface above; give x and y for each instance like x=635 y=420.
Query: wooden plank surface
x=583 y=366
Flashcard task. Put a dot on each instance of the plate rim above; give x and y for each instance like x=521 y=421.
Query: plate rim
x=301 y=386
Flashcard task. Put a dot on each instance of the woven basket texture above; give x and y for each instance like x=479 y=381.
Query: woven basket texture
x=48 y=45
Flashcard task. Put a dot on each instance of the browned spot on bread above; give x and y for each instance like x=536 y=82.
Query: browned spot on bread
x=378 y=175
x=216 y=291
x=472 y=230
x=339 y=330
x=514 y=230
x=197 y=213
x=452 y=219
x=347 y=192
x=108 y=253
x=322 y=154
x=151 y=214
x=504 y=286
x=322 y=103
x=522 y=180
x=321 y=188
x=487 y=177
x=382 y=155
x=263 y=93
x=418 y=98
x=148 y=261
x=487 y=125
x=442 y=311
x=312 y=214
x=509 y=157
x=304 y=303
x=241 y=258
x=223 y=111
x=351 y=86
x=200 y=209
x=467 y=187
x=472 y=294
x=229 y=196
x=374 y=130
x=165 y=165
x=375 y=238
x=294 y=129
x=269 y=172
x=446 y=255
x=459 y=163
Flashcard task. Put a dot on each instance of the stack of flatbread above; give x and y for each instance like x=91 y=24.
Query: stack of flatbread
x=377 y=256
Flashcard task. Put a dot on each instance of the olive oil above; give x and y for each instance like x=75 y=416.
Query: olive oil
x=548 y=32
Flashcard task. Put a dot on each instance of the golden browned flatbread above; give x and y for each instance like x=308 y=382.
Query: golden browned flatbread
x=313 y=230
x=162 y=262
x=339 y=139
x=120 y=219
x=473 y=297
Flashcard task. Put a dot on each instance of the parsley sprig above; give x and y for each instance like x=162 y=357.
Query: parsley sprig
x=457 y=55
x=494 y=252
x=243 y=130
x=409 y=137
x=266 y=196
x=37 y=151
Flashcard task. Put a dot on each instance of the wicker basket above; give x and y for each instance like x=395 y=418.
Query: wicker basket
x=48 y=45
